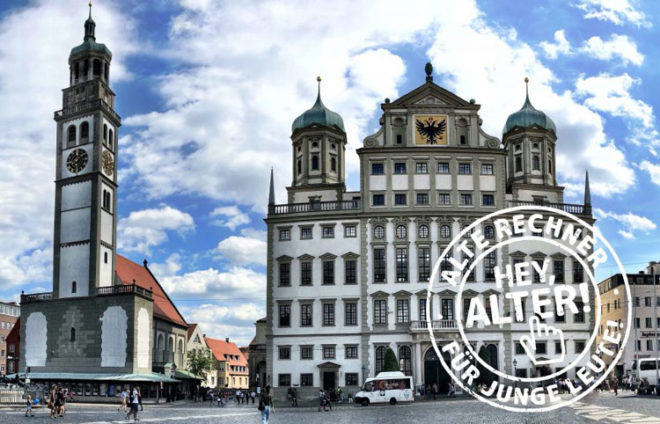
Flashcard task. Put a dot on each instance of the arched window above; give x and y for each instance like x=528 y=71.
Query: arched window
x=105 y=257
x=105 y=132
x=180 y=347
x=550 y=166
x=380 y=358
x=299 y=166
x=74 y=287
x=161 y=342
x=96 y=67
x=84 y=131
x=73 y=334
x=489 y=232
x=423 y=231
x=536 y=163
x=85 y=68
x=401 y=231
x=333 y=164
x=71 y=136
x=379 y=232
x=462 y=129
x=445 y=265
x=445 y=231
x=518 y=165
x=111 y=137
x=106 y=72
x=170 y=344
x=315 y=163
x=405 y=360
x=76 y=70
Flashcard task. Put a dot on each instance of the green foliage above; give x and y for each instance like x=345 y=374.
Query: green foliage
x=391 y=363
x=199 y=362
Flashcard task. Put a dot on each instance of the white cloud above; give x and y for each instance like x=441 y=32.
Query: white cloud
x=146 y=228
x=235 y=284
x=35 y=41
x=235 y=321
x=617 y=46
x=242 y=250
x=560 y=46
x=233 y=217
x=631 y=222
x=652 y=169
x=618 y=12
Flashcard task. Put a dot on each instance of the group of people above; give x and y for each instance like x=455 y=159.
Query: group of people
x=432 y=391
x=221 y=397
x=131 y=402
x=56 y=401
x=325 y=400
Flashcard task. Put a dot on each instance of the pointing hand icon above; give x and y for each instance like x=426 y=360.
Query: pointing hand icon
x=542 y=332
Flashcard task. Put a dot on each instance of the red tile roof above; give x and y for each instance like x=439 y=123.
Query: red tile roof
x=191 y=330
x=220 y=348
x=129 y=272
x=13 y=336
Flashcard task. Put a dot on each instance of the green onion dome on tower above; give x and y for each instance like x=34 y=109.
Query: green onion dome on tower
x=528 y=116
x=89 y=42
x=319 y=114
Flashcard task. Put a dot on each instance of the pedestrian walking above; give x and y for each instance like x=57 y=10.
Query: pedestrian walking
x=134 y=404
x=122 y=401
x=615 y=385
x=28 y=406
x=321 y=399
x=140 y=398
x=452 y=389
x=435 y=391
x=294 y=397
x=253 y=395
x=266 y=405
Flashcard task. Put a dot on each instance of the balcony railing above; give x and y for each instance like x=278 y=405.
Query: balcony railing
x=89 y=105
x=315 y=206
x=36 y=297
x=441 y=325
x=124 y=289
x=566 y=207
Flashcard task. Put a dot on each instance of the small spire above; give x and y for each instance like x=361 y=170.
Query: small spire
x=90 y=9
x=587 y=190
x=271 y=194
x=527 y=102
x=90 y=25
x=428 y=68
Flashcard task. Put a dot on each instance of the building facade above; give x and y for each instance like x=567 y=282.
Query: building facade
x=231 y=367
x=10 y=313
x=348 y=272
x=643 y=341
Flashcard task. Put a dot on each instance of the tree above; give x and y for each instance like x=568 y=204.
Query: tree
x=391 y=363
x=199 y=362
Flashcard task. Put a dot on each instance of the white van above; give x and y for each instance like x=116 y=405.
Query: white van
x=389 y=387
x=646 y=367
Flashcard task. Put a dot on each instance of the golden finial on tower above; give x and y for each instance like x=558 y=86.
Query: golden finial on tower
x=90 y=8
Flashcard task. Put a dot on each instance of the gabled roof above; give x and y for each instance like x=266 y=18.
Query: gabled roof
x=13 y=336
x=191 y=329
x=128 y=272
x=220 y=348
x=430 y=89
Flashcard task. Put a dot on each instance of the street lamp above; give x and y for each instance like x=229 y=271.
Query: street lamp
x=515 y=379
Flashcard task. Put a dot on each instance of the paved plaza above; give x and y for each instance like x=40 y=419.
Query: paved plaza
x=605 y=409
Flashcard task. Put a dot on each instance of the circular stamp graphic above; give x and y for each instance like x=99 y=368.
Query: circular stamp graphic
x=526 y=332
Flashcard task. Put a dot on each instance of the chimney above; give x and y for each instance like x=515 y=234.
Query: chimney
x=144 y=262
x=227 y=339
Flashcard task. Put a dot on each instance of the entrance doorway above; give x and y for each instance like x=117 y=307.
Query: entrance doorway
x=434 y=372
x=329 y=380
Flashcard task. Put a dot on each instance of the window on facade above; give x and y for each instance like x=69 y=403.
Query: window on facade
x=649 y=346
x=399 y=139
x=380 y=359
x=647 y=301
x=401 y=231
x=466 y=308
x=401 y=264
x=285 y=352
x=351 y=352
x=558 y=270
x=423 y=231
x=518 y=163
x=380 y=311
x=487 y=200
x=352 y=379
x=306 y=380
x=444 y=199
x=445 y=231
x=422 y=198
x=284 y=380
x=578 y=272
x=379 y=265
x=73 y=334
x=464 y=168
x=466 y=199
x=306 y=273
x=445 y=265
x=285 y=315
x=350 y=231
x=71 y=136
x=96 y=67
x=305 y=233
x=424 y=264
x=443 y=167
x=579 y=316
x=542 y=348
x=333 y=164
x=399 y=167
x=400 y=199
x=111 y=138
x=350 y=271
x=74 y=287
x=328 y=231
x=559 y=318
x=549 y=166
x=536 y=163
x=329 y=272
x=285 y=274
x=537 y=275
x=84 y=131
x=329 y=314
x=405 y=360
x=306 y=315
x=377 y=168
x=447 y=309
x=378 y=200
x=421 y=168
x=402 y=311
x=350 y=313
x=379 y=232
x=579 y=346
x=307 y=352
x=285 y=234
x=315 y=163
x=490 y=261
x=489 y=232
x=462 y=139
x=328 y=352
x=519 y=349
x=487 y=169
x=648 y=322
x=299 y=166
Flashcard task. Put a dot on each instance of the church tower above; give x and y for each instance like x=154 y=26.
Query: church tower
x=319 y=146
x=86 y=173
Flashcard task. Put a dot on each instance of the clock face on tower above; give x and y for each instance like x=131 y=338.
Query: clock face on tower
x=107 y=163
x=76 y=161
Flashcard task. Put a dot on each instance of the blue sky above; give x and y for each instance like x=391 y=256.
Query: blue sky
x=207 y=91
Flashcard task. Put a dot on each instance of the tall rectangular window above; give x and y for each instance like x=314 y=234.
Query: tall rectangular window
x=447 y=309
x=285 y=315
x=380 y=311
x=401 y=264
x=306 y=380
x=466 y=199
x=378 y=200
x=422 y=198
x=285 y=274
x=400 y=199
x=402 y=311
x=350 y=313
x=329 y=314
x=488 y=200
x=350 y=231
x=306 y=273
x=379 y=265
x=328 y=352
x=422 y=309
x=377 y=168
x=351 y=352
x=579 y=316
x=284 y=380
x=306 y=315
x=307 y=352
x=328 y=272
x=306 y=233
x=350 y=271
x=421 y=168
x=578 y=272
x=443 y=167
x=423 y=264
x=328 y=231
x=444 y=199
x=487 y=169
x=465 y=168
x=558 y=270
x=490 y=261
x=285 y=352
x=399 y=167
x=285 y=234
